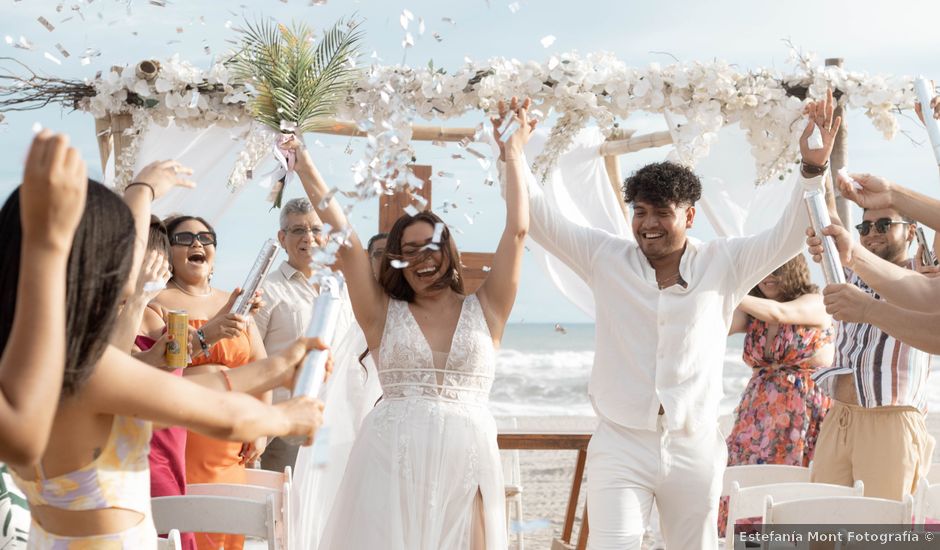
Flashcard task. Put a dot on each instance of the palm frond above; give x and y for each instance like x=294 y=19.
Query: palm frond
x=294 y=80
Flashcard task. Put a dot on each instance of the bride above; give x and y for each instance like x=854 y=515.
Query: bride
x=424 y=472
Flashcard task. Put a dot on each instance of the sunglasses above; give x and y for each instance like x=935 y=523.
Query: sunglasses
x=881 y=225
x=186 y=238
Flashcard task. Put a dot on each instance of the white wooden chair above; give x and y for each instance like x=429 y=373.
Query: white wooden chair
x=258 y=485
x=216 y=514
x=926 y=502
x=838 y=511
x=748 y=475
x=748 y=502
x=171 y=542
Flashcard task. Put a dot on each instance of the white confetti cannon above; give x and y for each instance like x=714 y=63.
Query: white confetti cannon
x=322 y=325
x=819 y=218
x=256 y=276
x=924 y=95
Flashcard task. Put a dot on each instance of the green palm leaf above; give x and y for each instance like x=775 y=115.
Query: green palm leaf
x=296 y=81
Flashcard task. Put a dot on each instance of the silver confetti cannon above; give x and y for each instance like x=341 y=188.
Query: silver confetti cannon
x=323 y=326
x=819 y=218
x=256 y=276
x=927 y=257
x=924 y=95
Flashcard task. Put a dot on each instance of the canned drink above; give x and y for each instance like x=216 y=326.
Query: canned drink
x=177 y=325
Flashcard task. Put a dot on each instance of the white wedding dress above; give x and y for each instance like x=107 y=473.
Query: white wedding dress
x=427 y=449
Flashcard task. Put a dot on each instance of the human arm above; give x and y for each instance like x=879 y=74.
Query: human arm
x=754 y=257
x=155 y=270
x=498 y=293
x=916 y=328
x=738 y=321
x=369 y=300
x=52 y=199
x=903 y=287
x=808 y=309
x=124 y=386
x=878 y=192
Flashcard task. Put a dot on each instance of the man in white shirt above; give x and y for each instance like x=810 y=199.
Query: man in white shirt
x=288 y=302
x=664 y=304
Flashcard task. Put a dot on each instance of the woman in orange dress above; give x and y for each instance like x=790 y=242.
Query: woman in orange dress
x=222 y=341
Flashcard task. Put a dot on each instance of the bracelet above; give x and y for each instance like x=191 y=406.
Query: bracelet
x=201 y=336
x=153 y=194
x=228 y=381
x=812 y=170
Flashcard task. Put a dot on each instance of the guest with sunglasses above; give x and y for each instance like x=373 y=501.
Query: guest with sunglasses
x=223 y=341
x=875 y=430
x=289 y=294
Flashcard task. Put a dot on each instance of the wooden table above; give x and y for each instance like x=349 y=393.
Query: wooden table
x=555 y=441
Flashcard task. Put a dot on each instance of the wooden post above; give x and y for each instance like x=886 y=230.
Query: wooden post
x=103 y=135
x=839 y=156
x=612 y=164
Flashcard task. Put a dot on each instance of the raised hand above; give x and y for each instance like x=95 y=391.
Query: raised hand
x=514 y=144
x=875 y=192
x=164 y=175
x=304 y=414
x=154 y=273
x=224 y=324
x=820 y=114
x=847 y=303
x=52 y=197
x=934 y=105
x=842 y=239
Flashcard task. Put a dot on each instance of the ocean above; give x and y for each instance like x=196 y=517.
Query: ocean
x=543 y=370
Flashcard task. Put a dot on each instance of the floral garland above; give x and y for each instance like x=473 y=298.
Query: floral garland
x=597 y=87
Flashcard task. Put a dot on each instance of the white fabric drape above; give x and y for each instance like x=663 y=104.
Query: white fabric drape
x=210 y=152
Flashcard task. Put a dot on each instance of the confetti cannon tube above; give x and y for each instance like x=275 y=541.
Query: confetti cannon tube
x=924 y=95
x=256 y=276
x=819 y=218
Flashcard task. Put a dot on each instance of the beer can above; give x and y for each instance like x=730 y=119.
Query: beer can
x=177 y=325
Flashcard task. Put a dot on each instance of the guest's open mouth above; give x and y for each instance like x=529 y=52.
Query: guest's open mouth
x=196 y=258
x=426 y=271
x=652 y=235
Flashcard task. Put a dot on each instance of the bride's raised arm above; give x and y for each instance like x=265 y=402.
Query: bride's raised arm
x=369 y=301
x=498 y=292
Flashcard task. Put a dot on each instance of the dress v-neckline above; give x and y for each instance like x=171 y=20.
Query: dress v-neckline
x=424 y=338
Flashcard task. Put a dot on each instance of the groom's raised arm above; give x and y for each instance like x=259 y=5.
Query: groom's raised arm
x=573 y=244
x=756 y=256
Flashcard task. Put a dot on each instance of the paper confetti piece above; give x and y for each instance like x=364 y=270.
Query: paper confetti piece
x=438 y=232
x=45 y=23
x=408 y=42
x=547 y=41
x=23 y=44
x=37 y=127
x=514 y=7
x=52 y=58
x=411 y=210
x=398 y=264
x=448 y=20
x=437 y=36
x=63 y=51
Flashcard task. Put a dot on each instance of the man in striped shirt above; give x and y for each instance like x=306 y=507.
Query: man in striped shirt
x=875 y=430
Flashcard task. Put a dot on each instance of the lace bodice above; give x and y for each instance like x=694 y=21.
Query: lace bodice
x=406 y=364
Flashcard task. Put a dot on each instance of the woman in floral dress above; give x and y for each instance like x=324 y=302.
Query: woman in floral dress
x=788 y=335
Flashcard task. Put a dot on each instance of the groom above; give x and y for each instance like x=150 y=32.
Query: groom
x=664 y=304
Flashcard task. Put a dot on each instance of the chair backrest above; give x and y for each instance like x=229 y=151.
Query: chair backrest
x=749 y=502
x=267 y=478
x=257 y=493
x=839 y=510
x=171 y=542
x=926 y=502
x=215 y=514
x=748 y=475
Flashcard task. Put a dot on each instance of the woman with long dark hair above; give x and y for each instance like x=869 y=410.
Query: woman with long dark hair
x=424 y=471
x=787 y=336
x=91 y=486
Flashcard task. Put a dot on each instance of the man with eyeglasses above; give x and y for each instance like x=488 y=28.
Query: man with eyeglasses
x=288 y=300
x=875 y=430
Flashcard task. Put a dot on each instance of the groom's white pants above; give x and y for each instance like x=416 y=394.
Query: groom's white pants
x=626 y=468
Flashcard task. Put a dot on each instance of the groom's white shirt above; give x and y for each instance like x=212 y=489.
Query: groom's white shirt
x=664 y=346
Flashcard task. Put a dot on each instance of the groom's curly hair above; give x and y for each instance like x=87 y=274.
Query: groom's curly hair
x=663 y=184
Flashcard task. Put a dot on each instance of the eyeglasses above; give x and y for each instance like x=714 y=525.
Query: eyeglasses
x=186 y=238
x=881 y=225
x=376 y=254
x=301 y=230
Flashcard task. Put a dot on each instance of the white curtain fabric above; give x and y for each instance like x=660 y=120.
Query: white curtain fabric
x=210 y=152
x=349 y=395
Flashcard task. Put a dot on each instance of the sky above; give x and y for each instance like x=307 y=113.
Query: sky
x=877 y=37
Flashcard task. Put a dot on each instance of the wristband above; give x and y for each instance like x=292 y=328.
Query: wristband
x=811 y=170
x=201 y=336
x=153 y=194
